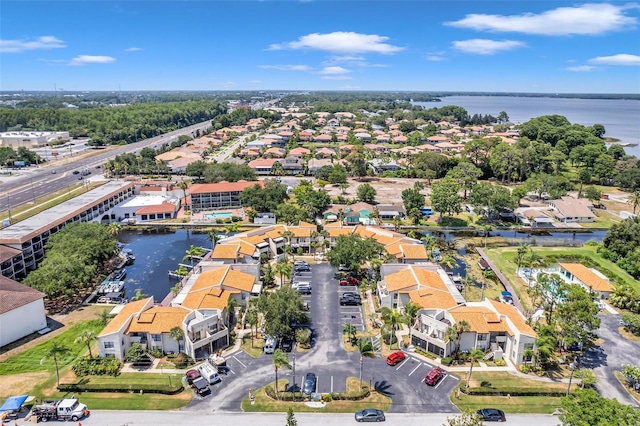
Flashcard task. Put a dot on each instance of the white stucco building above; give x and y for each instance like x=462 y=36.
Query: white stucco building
x=21 y=311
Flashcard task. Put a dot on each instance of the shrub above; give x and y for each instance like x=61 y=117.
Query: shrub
x=500 y=362
x=446 y=360
x=514 y=391
x=326 y=397
x=97 y=367
x=122 y=388
x=156 y=353
x=425 y=353
x=181 y=360
x=526 y=369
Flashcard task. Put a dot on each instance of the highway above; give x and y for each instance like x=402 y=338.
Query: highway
x=37 y=182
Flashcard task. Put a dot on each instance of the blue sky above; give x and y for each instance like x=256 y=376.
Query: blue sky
x=502 y=46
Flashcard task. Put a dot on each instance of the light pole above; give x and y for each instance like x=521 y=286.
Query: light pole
x=572 y=367
x=294 y=374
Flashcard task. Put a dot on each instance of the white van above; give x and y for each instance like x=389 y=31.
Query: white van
x=209 y=373
x=270 y=345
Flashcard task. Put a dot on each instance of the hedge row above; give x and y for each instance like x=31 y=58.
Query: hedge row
x=123 y=388
x=336 y=396
x=514 y=392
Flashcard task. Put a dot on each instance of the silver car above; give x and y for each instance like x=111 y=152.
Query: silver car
x=370 y=415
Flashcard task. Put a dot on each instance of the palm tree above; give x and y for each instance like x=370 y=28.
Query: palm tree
x=104 y=317
x=252 y=319
x=522 y=250
x=57 y=351
x=231 y=306
x=350 y=330
x=634 y=200
x=231 y=228
x=397 y=223
x=176 y=334
x=139 y=295
x=375 y=216
x=214 y=237
x=429 y=242
x=192 y=252
x=86 y=337
x=283 y=269
x=393 y=319
x=365 y=348
x=486 y=230
x=448 y=261
x=114 y=229
x=280 y=361
x=455 y=332
x=476 y=354
x=411 y=312
x=183 y=184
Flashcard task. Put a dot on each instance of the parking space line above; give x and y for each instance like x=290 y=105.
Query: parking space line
x=402 y=363
x=414 y=370
x=234 y=357
x=232 y=372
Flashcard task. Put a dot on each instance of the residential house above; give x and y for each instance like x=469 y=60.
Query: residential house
x=390 y=211
x=325 y=152
x=299 y=152
x=589 y=278
x=569 y=209
x=21 y=311
x=274 y=152
x=533 y=218
x=305 y=136
x=323 y=138
x=314 y=164
x=382 y=165
x=262 y=166
x=363 y=136
x=293 y=165
x=400 y=139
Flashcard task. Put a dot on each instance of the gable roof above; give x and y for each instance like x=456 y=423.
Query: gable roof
x=587 y=276
x=481 y=319
x=125 y=315
x=571 y=207
x=514 y=316
x=224 y=186
x=14 y=295
x=158 y=319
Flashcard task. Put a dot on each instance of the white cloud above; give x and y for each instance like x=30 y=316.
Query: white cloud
x=133 y=49
x=336 y=77
x=91 y=59
x=40 y=43
x=286 y=67
x=341 y=42
x=586 y=19
x=334 y=70
x=486 y=47
x=580 y=68
x=435 y=58
x=619 y=59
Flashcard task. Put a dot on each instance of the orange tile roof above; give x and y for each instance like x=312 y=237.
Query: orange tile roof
x=336 y=232
x=204 y=299
x=481 y=319
x=239 y=280
x=414 y=251
x=431 y=298
x=394 y=249
x=304 y=224
x=300 y=232
x=209 y=279
x=247 y=249
x=400 y=280
x=124 y=315
x=159 y=319
x=226 y=251
x=262 y=162
x=161 y=208
x=587 y=276
x=515 y=317
x=207 y=188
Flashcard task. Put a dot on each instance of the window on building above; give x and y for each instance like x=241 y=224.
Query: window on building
x=156 y=337
x=108 y=345
x=528 y=357
x=482 y=337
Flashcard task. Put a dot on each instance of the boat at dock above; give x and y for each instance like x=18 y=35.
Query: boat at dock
x=107 y=287
x=118 y=274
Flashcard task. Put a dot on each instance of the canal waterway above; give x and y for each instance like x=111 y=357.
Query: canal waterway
x=158 y=253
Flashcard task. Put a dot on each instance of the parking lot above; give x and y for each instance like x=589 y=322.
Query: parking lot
x=331 y=363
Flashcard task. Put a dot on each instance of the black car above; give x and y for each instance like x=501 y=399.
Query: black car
x=76 y=172
x=351 y=294
x=309 y=385
x=492 y=415
x=286 y=344
x=350 y=300
x=302 y=268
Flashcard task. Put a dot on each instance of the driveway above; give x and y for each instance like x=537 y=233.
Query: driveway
x=332 y=364
x=614 y=352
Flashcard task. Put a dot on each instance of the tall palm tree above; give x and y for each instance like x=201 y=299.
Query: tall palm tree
x=183 y=184
x=57 y=351
x=280 y=360
x=214 y=237
x=522 y=250
x=448 y=261
x=114 y=229
x=231 y=228
x=176 y=333
x=283 y=269
x=429 y=242
x=634 y=200
x=486 y=230
x=476 y=354
x=455 y=332
x=365 y=349
x=252 y=319
x=411 y=312
x=192 y=252
x=86 y=338
x=393 y=319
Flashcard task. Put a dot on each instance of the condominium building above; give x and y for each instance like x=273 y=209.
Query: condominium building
x=221 y=195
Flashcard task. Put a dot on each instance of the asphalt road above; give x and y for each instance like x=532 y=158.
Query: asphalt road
x=40 y=181
x=155 y=418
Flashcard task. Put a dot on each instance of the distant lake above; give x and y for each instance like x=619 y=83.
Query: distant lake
x=620 y=118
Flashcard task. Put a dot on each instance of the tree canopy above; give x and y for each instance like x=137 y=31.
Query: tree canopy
x=621 y=244
x=354 y=251
x=281 y=309
x=585 y=407
x=264 y=199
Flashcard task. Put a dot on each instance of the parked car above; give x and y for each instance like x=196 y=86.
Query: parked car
x=349 y=281
x=304 y=288
x=286 y=344
x=270 y=344
x=351 y=293
x=350 y=300
x=370 y=415
x=492 y=415
x=191 y=375
x=302 y=268
x=76 y=172
x=309 y=386
x=396 y=358
x=344 y=268
x=434 y=376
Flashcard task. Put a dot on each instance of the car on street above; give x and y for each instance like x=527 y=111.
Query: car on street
x=309 y=385
x=76 y=172
x=434 y=376
x=396 y=358
x=492 y=415
x=350 y=300
x=349 y=281
x=370 y=415
x=53 y=172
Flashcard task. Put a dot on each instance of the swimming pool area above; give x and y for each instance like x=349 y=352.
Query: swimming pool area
x=218 y=215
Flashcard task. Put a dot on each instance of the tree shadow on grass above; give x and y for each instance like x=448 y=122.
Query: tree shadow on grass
x=383 y=388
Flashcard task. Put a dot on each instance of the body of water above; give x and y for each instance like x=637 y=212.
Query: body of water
x=620 y=118
x=156 y=255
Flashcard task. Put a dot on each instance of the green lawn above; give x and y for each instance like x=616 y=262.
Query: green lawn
x=505 y=260
x=513 y=404
x=35 y=359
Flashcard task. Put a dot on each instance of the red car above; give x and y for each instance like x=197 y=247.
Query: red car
x=192 y=375
x=396 y=358
x=434 y=376
x=349 y=281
